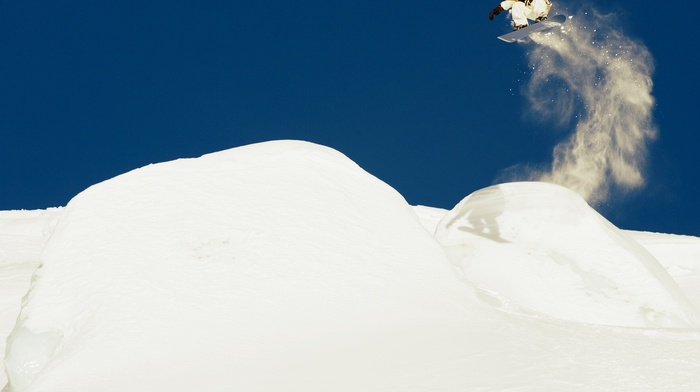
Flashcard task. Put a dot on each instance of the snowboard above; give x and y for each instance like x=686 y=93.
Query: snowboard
x=554 y=21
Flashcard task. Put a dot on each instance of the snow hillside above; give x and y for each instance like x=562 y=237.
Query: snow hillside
x=285 y=266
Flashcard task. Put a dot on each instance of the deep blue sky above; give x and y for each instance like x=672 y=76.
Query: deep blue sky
x=413 y=91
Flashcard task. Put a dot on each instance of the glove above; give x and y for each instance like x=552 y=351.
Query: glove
x=495 y=12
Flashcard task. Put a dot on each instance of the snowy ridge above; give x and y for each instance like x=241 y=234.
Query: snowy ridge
x=285 y=266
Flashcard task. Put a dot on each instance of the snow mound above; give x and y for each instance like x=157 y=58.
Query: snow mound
x=264 y=267
x=537 y=248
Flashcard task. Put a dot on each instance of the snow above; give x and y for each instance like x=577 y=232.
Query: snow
x=22 y=237
x=526 y=244
x=679 y=255
x=285 y=266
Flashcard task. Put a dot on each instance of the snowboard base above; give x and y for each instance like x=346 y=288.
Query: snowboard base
x=554 y=21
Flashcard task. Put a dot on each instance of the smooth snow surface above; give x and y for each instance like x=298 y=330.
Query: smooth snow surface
x=283 y=266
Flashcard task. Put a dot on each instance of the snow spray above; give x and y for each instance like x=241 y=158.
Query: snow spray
x=597 y=79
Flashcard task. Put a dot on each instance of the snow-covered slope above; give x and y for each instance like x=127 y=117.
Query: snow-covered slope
x=285 y=266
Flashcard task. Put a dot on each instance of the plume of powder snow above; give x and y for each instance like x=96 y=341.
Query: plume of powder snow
x=590 y=74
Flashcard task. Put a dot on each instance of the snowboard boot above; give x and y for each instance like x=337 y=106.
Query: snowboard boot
x=540 y=19
x=518 y=27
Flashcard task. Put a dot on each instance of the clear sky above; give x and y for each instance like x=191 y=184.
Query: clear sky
x=420 y=94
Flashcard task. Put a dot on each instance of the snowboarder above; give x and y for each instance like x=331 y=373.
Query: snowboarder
x=536 y=10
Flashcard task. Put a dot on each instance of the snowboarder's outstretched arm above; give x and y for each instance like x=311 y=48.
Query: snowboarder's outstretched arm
x=495 y=12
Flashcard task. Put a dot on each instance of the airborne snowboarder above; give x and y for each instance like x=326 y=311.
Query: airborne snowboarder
x=522 y=10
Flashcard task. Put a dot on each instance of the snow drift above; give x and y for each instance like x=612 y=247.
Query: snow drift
x=285 y=266
x=275 y=259
x=524 y=245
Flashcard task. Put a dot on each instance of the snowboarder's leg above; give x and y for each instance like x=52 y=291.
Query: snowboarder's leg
x=519 y=14
x=539 y=9
x=507 y=4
